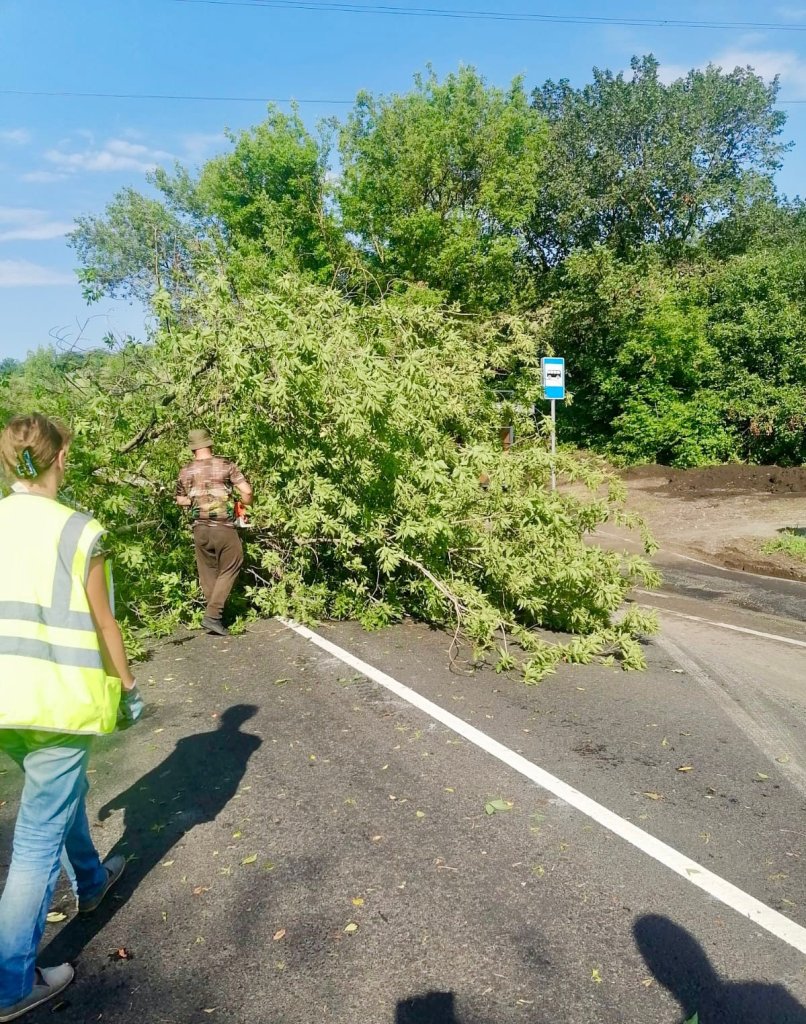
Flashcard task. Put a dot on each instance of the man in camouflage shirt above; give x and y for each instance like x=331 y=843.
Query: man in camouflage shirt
x=205 y=486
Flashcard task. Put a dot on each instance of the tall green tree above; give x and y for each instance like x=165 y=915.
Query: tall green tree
x=437 y=185
x=137 y=247
x=261 y=209
x=698 y=363
x=769 y=223
x=633 y=160
x=270 y=199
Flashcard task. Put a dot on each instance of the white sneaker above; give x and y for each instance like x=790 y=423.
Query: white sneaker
x=114 y=868
x=49 y=982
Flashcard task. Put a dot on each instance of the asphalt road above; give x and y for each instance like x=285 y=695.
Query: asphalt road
x=733 y=588
x=276 y=798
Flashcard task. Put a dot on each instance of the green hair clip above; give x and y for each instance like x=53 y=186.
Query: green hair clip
x=26 y=466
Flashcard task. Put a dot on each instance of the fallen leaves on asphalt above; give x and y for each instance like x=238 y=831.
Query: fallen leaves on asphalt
x=120 y=954
x=278 y=935
x=498 y=806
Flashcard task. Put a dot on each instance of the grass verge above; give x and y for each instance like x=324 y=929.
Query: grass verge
x=790 y=543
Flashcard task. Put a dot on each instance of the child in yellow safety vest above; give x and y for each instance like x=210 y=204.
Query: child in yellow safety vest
x=63 y=668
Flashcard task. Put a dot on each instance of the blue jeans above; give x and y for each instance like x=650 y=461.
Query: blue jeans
x=51 y=821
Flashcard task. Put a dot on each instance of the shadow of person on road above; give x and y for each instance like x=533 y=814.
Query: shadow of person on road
x=681 y=965
x=191 y=786
x=433 y=1008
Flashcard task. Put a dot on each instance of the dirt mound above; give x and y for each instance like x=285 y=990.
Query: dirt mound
x=729 y=479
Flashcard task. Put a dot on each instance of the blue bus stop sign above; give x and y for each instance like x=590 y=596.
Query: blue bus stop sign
x=553 y=372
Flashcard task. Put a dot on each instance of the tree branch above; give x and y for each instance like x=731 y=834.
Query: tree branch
x=151 y=431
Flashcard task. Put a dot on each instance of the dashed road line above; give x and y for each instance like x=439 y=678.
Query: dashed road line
x=711 y=565
x=718 y=888
x=723 y=625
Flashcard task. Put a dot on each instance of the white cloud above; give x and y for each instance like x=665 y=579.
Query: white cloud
x=768 y=63
x=16 y=136
x=199 y=145
x=115 y=155
x=788 y=65
x=669 y=73
x=19 y=214
x=24 y=274
x=43 y=177
x=22 y=223
x=38 y=232
x=791 y=13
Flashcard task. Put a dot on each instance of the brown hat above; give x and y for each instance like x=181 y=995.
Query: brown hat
x=199 y=439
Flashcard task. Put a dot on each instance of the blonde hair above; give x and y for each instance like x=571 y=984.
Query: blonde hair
x=29 y=445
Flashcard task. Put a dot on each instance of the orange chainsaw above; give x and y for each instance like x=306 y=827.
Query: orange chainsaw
x=240 y=516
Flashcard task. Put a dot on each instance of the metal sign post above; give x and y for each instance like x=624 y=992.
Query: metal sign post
x=553 y=374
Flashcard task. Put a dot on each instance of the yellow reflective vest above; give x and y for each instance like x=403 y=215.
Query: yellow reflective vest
x=52 y=675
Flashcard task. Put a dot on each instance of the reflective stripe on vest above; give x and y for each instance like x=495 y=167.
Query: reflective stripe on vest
x=75 y=657
x=59 y=613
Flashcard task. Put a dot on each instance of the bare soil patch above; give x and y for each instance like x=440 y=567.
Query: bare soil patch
x=731 y=479
x=723 y=514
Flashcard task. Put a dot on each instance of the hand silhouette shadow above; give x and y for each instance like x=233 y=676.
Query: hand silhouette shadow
x=434 y=1008
x=191 y=786
x=681 y=965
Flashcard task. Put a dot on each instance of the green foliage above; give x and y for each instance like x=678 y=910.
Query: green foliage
x=630 y=225
x=258 y=210
x=269 y=197
x=790 y=543
x=138 y=247
x=365 y=430
x=439 y=183
x=767 y=223
x=633 y=160
x=691 y=365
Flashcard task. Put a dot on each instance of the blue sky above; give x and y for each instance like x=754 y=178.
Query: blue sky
x=63 y=156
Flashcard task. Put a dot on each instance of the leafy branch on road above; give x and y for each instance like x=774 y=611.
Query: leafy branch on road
x=366 y=431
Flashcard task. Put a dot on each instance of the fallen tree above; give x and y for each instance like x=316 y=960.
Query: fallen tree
x=367 y=431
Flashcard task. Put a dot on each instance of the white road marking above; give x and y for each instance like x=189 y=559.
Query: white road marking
x=742 y=572
x=723 y=625
x=720 y=889
x=701 y=561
